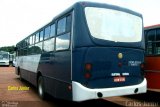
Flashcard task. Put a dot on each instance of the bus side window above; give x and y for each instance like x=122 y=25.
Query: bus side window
x=37 y=37
x=25 y=51
x=48 y=45
x=41 y=35
x=61 y=26
x=33 y=37
x=151 y=42
x=47 y=32
x=38 y=45
x=63 y=42
x=63 y=32
x=23 y=44
x=158 y=42
x=69 y=22
x=30 y=42
x=38 y=48
x=52 y=32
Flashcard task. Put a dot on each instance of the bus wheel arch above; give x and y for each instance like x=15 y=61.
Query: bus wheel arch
x=19 y=73
x=38 y=75
x=18 y=69
x=40 y=86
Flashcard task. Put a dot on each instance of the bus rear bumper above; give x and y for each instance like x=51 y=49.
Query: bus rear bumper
x=81 y=93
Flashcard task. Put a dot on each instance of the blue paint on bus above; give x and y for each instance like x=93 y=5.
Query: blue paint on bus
x=71 y=58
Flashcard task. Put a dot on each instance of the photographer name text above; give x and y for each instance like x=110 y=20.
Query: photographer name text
x=16 y=88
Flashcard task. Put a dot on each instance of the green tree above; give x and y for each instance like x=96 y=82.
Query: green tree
x=9 y=49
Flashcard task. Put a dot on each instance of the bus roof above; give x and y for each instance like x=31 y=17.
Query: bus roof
x=83 y=3
x=152 y=27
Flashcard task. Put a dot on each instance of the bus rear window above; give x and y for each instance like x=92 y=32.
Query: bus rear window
x=113 y=25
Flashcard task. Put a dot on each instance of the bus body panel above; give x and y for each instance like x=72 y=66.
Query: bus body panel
x=105 y=66
x=153 y=79
x=56 y=70
x=28 y=66
x=152 y=71
x=29 y=76
x=152 y=63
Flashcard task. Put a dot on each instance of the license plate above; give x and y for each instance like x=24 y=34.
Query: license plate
x=119 y=79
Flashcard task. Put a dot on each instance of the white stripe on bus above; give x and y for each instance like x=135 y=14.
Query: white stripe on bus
x=29 y=62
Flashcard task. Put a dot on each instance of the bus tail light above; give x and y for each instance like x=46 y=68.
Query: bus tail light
x=70 y=87
x=88 y=68
x=142 y=66
x=87 y=75
x=120 y=64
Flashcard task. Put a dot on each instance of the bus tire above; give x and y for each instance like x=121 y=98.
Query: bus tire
x=41 y=90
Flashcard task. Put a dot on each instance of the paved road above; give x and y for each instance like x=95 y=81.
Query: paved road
x=11 y=97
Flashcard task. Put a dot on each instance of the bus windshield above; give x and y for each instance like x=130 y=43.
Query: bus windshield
x=113 y=25
x=4 y=56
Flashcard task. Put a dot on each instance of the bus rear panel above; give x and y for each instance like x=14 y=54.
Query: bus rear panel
x=108 y=53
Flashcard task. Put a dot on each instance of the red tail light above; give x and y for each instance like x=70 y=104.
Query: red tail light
x=69 y=87
x=120 y=64
x=88 y=67
x=87 y=75
x=142 y=66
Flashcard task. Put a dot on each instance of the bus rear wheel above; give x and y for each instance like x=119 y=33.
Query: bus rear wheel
x=41 y=90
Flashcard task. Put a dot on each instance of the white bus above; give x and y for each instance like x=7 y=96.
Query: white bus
x=4 y=58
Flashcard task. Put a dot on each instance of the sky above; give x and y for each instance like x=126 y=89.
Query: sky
x=20 y=18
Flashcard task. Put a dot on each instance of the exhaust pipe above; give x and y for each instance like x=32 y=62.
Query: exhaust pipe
x=99 y=94
x=136 y=90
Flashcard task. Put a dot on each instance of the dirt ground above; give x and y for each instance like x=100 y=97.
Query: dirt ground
x=11 y=96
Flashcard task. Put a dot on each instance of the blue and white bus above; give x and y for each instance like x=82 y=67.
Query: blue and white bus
x=89 y=51
x=4 y=58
